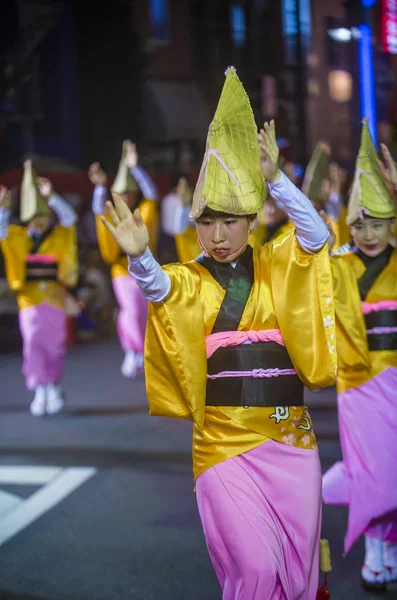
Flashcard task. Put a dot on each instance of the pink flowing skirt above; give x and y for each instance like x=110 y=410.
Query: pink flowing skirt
x=43 y=329
x=261 y=515
x=366 y=479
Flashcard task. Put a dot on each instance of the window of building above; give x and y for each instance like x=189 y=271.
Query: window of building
x=239 y=32
x=159 y=17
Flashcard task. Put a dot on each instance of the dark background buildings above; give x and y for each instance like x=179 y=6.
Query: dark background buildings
x=78 y=77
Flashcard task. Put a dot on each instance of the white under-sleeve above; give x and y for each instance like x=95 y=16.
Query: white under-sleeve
x=153 y=282
x=145 y=182
x=64 y=211
x=4 y=219
x=311 y=231
x=99 y=199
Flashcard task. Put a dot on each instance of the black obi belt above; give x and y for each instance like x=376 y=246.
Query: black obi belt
x=259 y=374
x=381 y=329
x=39 y=268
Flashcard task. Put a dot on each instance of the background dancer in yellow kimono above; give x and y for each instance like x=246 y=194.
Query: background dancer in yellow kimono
x=135 y=188
x=365 y=289
x=232 y=337
x=41 y=263
x=324 y=183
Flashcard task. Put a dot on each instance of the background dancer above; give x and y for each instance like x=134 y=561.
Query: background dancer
x=365 y=287
x=41 y=263
x=135 y=188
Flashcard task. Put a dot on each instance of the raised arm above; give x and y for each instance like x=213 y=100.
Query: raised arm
x=131 y=234
x=5 y=211
x=66 y=214
x=98 y=177
x=311 y=231
x=143 y=179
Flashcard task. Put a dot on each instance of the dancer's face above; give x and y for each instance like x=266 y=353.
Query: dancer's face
x=39 y=224
x=372 y=236
x=224 y=236
x=130 y=198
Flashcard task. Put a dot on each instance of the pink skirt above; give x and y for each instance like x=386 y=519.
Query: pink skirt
x=261 y=515
x=43 y=329
x=366 y=479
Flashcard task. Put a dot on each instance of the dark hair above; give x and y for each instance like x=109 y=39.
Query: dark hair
x=216 y=214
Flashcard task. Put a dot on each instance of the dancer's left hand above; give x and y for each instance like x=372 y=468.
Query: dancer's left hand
x=269 y=152
x=45 y=186
x=132 y=157
x=389 y=167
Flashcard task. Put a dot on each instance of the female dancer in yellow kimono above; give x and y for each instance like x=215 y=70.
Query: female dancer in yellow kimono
x=365 y=291
x=232 y=338
x=135 y=188
x=41 y=262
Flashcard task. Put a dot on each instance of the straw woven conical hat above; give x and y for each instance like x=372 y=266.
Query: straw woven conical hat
x=231 y=178
x=316 y=171
x=33 y=202
x=369 y=194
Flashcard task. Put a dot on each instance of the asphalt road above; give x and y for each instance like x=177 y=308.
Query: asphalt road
x=97 y=503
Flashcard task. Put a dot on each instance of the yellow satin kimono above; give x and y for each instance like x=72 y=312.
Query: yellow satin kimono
x=292 y=292
x=356 y=363
x=187 y=245
x=110 y=250
x=61 y=243
x=258 y=235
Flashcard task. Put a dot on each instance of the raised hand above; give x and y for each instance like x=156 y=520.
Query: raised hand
x=184 y=191
x=389 y=167
x=269 y=151
x=97 y=175
x=45 y=186
x=129 y=230
x=5 y=197
x=132 y=157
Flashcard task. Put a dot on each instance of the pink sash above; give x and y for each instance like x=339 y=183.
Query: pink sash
x=369 y=307
x=223 y=339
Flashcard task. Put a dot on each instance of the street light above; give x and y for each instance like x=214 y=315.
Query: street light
x=344 y=34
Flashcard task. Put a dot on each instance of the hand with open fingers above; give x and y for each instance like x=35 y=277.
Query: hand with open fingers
x=45 y=186
x=97 y=175
x=132 y=157
x=129 y=230
x=5 y=197
x=389 y=167
x=269 y=152
x=332 y=235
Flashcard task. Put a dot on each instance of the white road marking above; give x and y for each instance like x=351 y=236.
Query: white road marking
x=43 y=500
x=8 y=502
x=19 y=475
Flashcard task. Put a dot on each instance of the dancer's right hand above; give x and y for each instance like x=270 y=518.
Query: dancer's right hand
x=5 y=201
x=128 y=229
x=97 y=175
